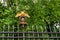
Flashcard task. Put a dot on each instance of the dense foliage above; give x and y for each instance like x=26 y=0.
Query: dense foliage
x=42 y=12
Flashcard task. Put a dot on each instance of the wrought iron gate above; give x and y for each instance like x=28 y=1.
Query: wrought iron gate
x=35 y=33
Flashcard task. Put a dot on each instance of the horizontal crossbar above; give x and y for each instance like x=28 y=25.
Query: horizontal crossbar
x=28 y=37
x=31 y=32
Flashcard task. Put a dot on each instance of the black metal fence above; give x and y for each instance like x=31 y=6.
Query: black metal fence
x=8 y=32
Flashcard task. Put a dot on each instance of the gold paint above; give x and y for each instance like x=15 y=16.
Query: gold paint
x=22 y=13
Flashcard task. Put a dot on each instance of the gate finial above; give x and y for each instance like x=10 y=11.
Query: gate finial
x=22 y=15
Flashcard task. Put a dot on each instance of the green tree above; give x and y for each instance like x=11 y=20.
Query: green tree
x=41 y=11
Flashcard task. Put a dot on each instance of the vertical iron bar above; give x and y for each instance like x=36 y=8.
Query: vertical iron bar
x=47 y=33
x=42 y=31
x=3 y=31
x=23 y=31
x=33 y=31
x=8 y=31
x=55 y=31
x=18 y=31
x=56 y=36
x=51 y=31
x=13 y=31
x=15 y=34
x=28 y=33
x=37 y=31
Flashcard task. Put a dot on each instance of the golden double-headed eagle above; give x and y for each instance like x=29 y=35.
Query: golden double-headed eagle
x=22 y=16
x=22 y=13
